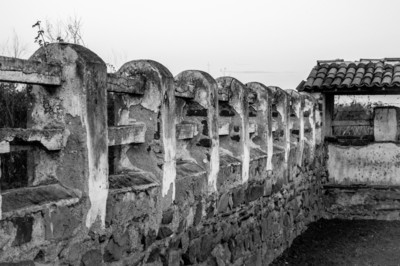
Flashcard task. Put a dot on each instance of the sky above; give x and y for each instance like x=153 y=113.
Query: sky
x=273 y=42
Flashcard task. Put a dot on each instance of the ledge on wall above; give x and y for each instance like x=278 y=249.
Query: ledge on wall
x=350 y=140
x=18 y=202
x=132 y=181
x=51 y=139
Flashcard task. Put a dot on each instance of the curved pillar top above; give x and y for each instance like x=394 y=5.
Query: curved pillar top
x=199 y=105
x=64 y=53
x=193 y=84
x=79 y=105
x=233 y=91
x=236 y=94
x=295 y=102
x=159 y=97
x=158 y=80
x=262 y=103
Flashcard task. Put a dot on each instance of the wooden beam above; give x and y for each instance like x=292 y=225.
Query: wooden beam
x=29 y=72
x=51 y=139
x=132 y=85
x=328 y=109
x=128 y=134
x=344 y=123
x=186 y=131
x=373 y=90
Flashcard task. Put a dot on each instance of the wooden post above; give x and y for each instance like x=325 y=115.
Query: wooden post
x=328 y=109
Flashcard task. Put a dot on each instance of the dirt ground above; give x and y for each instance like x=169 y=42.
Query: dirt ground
x=340 y=242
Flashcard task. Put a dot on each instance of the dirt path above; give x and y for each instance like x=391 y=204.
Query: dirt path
x=339 y=242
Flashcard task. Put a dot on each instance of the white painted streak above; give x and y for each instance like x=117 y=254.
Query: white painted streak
x=169 y=140
x=270 y=148
x=4 y=148
x=244 y=138
x=246 y=164
x=169 y=168
x=97 y=182
x=1 y=201
x=214 y=150
x=313 y=133
x=301 y=139
x=98 y=189
x=246 y=149
x=282 y=109
x=214 y=167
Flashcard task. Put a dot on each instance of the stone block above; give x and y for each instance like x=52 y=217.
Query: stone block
x=154 y=256
x=164 y=232
x=254 y=191
x=167 y=217
x=207 y=245
x=60 y=223
x=174 y=258
x=92 y=258
x=117 y=247
x=190 y=184
x=149 y=238
x=190 y=257
x=198 y=214
x=238 y=197
x=24 y=227
x=223 y=202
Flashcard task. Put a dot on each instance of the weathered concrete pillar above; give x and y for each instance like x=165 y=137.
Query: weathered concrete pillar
x=319 y=114
x=310 y=105
x=281 y=113
x=296 y=130
x=197 y=118
x=156 y=109
x=233 y=109
x=386 y=121
x=260 y=116
x=78 y=107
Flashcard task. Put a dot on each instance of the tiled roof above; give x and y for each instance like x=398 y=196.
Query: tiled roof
x=364 y=75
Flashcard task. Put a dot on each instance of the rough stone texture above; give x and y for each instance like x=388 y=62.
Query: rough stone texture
x=362 y=202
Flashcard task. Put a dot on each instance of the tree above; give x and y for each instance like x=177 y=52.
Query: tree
x=69 y=31
x=14 y=47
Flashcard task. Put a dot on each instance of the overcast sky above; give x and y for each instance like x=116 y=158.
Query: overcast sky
x=273 y=42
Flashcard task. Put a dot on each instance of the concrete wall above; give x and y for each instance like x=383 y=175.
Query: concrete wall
x=373 y=164
x=364 y=179
x=204 y=171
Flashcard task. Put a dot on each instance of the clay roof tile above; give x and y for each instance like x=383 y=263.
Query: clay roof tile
x=367 y=73
x=337 y=81
x=317 y=82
